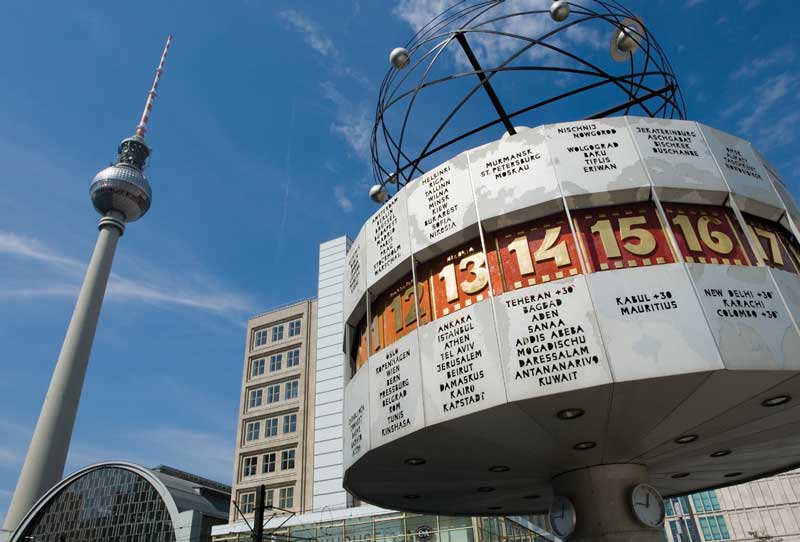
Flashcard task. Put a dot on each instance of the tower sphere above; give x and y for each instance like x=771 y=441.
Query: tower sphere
x=626 y=40
x=378 y=193
x=122 y=188
x=399 y=58
x=559 y=11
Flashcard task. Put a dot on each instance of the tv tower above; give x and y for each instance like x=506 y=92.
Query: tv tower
x=121 y=194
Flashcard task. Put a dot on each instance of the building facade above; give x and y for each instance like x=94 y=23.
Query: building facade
x=121 y=501
x=372 y=524
x=274 y=437
x=761 y=510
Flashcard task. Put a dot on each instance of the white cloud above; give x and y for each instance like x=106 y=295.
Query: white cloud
x=750 y=4
x=765 y=96
x=314 y=36
x=779 y=56
x=171 y=291
x=491 y=49
x=342 y=199
x=352 y=123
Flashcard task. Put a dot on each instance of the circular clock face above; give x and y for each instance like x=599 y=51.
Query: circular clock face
x=648 y=505
x=562 y=516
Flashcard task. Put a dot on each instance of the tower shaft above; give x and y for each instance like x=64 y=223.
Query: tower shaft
x=47 y=453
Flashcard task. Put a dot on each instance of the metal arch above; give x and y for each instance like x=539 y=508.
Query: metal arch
x=648 y=83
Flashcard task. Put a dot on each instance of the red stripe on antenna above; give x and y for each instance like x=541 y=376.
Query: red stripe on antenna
x=141 y=128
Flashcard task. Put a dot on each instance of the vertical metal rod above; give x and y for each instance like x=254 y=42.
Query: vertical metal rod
x=487 y=86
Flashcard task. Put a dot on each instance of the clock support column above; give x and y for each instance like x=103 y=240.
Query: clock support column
x=603 y=505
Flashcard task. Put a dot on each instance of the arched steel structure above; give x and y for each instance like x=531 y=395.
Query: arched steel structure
x=641 y=81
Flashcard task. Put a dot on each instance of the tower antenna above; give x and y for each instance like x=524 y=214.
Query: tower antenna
x=141 y=128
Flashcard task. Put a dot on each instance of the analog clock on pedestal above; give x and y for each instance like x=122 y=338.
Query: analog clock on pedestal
x=562 y=516
x=648 y=505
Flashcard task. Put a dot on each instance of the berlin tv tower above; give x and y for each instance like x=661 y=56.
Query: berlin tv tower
x=121 y=194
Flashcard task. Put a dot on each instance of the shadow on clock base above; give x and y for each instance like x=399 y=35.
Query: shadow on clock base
x=604 y=505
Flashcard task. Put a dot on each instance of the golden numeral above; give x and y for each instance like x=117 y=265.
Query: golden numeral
x=478 y=261
x=519 y=246
x=547 y=251
x=772 y=239
x=448 y=275
x=610 y=246
x=717 y=241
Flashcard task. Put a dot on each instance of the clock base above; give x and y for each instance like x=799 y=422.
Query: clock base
x=602 y=499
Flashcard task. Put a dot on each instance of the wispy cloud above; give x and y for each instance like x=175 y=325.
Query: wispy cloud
x=206 y=297
x=314 y=36
x=750 y=4
x=777 y=57
x=493 y=48
x=693 y=3
x=352 y=123
x=765 y=96
x=317 y=39
x=342 y=199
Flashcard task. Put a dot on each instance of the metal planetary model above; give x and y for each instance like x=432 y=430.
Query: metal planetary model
x=578 y=317
x=121 y=194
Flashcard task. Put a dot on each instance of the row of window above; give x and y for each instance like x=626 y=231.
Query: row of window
x=259 y=365
x=247 y=502
x=268 y=462
x=714 y=528
x=291 y=389
x=260 y=336
x=253 y=429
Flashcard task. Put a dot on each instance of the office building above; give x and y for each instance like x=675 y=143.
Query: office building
x=761 y=510
x=274 y=437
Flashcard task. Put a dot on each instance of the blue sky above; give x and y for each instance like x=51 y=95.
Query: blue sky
x=260 y=138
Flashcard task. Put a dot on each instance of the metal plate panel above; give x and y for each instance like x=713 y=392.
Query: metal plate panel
x=549 y=339
x=395 y=387
x=747 y=317
x=355 y=279
x=356 y=418
x=387 y=242
x=652 y=323
x=514 y=179
x=596 y=162
x=678 y=160
x=789 y=286
x=744 y=173
x=783 y=192
x=441 y=206
x=461 y=370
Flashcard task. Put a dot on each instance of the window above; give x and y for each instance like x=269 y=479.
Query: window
x=684 y=531
x=250 y=466
x=706 y=501
x=668 y=511
x=247 y=503
x=270 y=427
x=287 y=459
x=273 y=394
x=275 y=362
x=294 y=328
x=293 y=358
x=268 y=497
x=286 y=497
x=277 y=333
x=253 y=430
x=269 y=463
x=714 y=528
x=291 y=389
x=260 y=337
x=256 y=396
x=258 y=367
x=289 y=423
